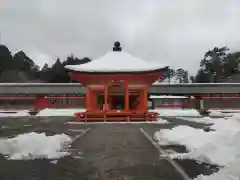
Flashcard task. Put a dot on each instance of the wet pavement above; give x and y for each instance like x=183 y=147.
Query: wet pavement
x=108 y=151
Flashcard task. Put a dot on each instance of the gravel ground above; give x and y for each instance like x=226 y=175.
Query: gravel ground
x=107 y=152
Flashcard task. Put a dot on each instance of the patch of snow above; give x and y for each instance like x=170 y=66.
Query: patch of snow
x=223 y=112
x=5 y=127
x=27 y=125
x=176 y=112
x=14 y=113
x=54 y=161
x=59 y=112
x=79 y=155
x=229 y=124
x=162 y=121
x=205 y=120
x=215 y=113
x=33 y=146
x=168 y=97
x=221 y=146
x=117 y=62
x=179 y=135
x=230 y=110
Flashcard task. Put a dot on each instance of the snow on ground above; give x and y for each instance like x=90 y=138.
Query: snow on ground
x=167 y=97
x=221 y=146
x=205 y=120
x=70 y=112
x=176 y=112
x=227 y=110
x=59 y=112
x=33 y=145
x=215 y=113
x=162 y=121
x=14 y=113
x=223 y=112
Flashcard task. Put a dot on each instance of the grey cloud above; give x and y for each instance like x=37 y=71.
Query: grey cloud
x=174 y=32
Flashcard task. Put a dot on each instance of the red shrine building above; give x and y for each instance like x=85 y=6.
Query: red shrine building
x=117 y=86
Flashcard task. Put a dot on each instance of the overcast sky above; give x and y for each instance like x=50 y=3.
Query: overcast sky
x=176 y=32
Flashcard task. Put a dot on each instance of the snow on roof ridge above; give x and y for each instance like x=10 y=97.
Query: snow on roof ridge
x=117 y=61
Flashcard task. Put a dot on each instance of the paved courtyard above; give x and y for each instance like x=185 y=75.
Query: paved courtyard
x=106 y=151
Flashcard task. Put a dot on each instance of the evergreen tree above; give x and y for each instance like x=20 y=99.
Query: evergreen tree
x=203 y=77
x=6 y=59
x=180 y=75
x=169 y=74
x=213 y=62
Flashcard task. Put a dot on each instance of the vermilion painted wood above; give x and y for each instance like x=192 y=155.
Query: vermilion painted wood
x=141 y=78
x=35 y=97
x=108 y=113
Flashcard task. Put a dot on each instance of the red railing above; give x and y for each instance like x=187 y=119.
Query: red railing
x=22 y=102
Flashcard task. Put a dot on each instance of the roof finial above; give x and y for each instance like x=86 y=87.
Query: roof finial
x=117 y=46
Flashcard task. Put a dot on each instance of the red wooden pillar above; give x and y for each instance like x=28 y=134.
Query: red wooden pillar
x=106 y=97
x=126 y=97
x=139 y=100
x=145 y=100
x=84 y=99
x=88 y=99
x=41 y=102
x=94 y=103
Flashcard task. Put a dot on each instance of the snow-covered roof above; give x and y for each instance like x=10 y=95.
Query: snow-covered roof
x=117 y=61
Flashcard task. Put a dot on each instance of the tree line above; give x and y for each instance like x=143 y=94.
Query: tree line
x=217 y=64
x=20 y=62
